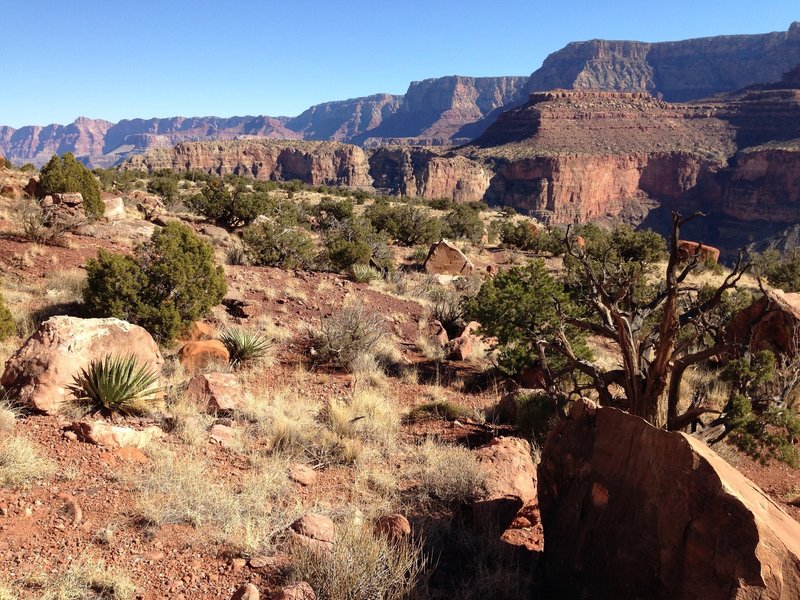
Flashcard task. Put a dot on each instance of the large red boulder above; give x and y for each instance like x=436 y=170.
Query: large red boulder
x=41 y=372
x=771 y=323
x=509 y=481
x=631 y=511
x=445 y=259
x=703 y=252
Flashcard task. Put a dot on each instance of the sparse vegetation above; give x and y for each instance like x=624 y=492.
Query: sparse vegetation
x=86 y=578
x=448 y=474
x=8 y=325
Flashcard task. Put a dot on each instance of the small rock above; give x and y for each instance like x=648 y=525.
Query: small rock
x=237 y=564
x=221 y=392
x=113 y=436
x=246 y=592
x=223 y=435
x=298 y=591
x=196 y=356
x=302 y=474
x=395 y=527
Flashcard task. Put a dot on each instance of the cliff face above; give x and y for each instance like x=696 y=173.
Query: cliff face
x=679 y=71
x=413 y=172
x=316 y=163
x=438 y=109
x=344 y=120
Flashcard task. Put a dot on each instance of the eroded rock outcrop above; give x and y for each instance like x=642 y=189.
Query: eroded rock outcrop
x=631 y=511
x=41 y=372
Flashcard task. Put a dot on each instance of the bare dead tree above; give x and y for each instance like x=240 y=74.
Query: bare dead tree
x=658 y=337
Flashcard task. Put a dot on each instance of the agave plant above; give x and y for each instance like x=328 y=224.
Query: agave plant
x=115 y=384
x=244 y=346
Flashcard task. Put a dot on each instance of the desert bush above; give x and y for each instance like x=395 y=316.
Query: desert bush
x=448 y=310
x=230 y=208
x=271 y=244
x=354 y=241
x=532 y=414
x=8 y=326
x=245 y=346
x=464 y=221
x=21 y=463
x=116 y=385
x=781 y=270
x=165 y=185
x=348 y=333
x=66 y=174
x=36 y=224
x=409 y=225
x=171 y=281
x=364 y=273
x=448 y=474
x=361 y=566
x=331 y=211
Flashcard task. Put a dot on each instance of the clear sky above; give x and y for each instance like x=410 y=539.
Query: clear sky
x=112 y=60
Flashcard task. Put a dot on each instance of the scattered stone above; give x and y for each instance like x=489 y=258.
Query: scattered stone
x=73 y=508
x=509 y=484
x=445 y=259
x=103 y=433
x=247 y=592
x=41 y=371
x=196 y=356
x=632 y=511
x=395 y=527
x=302 y=474
x=468 y=344
x=131 y=454
x=220 y=392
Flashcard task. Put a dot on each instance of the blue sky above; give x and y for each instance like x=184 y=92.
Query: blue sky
x=113 y=60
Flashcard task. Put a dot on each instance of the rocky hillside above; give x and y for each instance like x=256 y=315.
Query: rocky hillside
x=678 y=71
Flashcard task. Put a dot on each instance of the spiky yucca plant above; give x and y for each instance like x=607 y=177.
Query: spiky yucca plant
x=244 y=346
x=115 y=384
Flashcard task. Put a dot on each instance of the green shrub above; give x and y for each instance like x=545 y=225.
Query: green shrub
x=464 y=221
x=170 y=281
x=67 y=175
x=272 y=244
x=355 y=242
x=331 y=211
x=409 y=225
x=115 y=385
x=230 y=208
x=244 y=346
x=165 y=185
x=440 y=409
x=8 y=326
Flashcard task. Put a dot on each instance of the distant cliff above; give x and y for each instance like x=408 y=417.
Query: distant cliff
x=678 y=71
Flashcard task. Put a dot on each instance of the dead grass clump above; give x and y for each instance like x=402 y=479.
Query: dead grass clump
x=88 y=578
x=21 y=463
x=361 y=565
x=184 y=489
x=448 y=474
x=8 y=416
x=367 y=416
x=439 y=409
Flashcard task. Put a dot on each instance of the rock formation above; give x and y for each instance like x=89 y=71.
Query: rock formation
x=344 y=120
x=631 y=511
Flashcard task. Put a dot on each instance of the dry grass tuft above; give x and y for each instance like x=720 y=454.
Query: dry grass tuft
x=87 y=578
x=361 y=566
x=8 y=417
x=448 y=474
x=366 y=416
x=21 y=463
